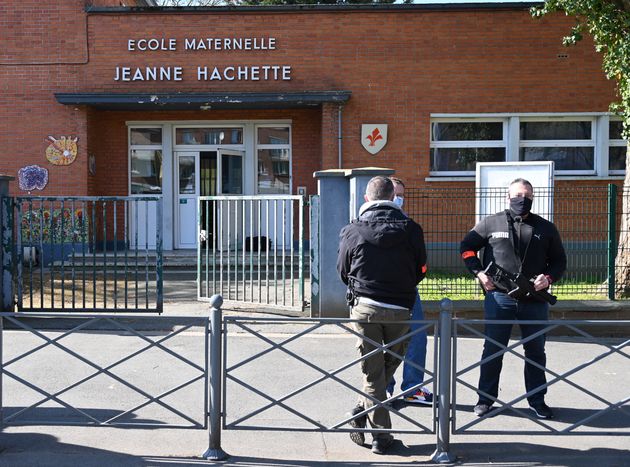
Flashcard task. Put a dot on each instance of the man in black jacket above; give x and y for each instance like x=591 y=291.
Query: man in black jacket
x=518 y=241
x=381 y=259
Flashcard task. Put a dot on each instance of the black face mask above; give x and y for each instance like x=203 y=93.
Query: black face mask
x=520 y=205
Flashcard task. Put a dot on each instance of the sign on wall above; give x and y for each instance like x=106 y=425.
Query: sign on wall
x=373 y=136
x=204 y=71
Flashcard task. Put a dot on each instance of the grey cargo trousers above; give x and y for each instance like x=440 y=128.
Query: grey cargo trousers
x=378 y=325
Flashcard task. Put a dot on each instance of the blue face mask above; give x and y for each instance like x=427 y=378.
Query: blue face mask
x=399 y=200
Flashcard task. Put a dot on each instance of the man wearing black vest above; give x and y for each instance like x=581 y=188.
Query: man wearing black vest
x=518 y=241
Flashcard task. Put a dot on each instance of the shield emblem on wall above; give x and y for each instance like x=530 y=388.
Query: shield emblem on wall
x=373 y=136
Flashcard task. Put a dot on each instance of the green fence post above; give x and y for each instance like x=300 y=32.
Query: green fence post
x=6 y=245
x=612 y=238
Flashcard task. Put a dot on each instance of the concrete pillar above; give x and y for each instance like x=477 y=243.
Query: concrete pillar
x=359 y=179
x=332 y=187
x=340 y=197
x=6 y=245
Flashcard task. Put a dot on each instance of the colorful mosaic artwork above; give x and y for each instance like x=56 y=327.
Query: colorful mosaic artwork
x=62 y=151
x=32 y=177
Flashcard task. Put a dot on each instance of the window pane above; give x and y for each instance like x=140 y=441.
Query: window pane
x=615 y=130
x=209 y=136
x=232 y=175
x=187 y=176
x=146 y=136
x=146 y=172
x=476 y=131
x=273 y=171
x=617 y=158
x=276 y=135
x=570 y=158
x=463 y=159
x=555 y=130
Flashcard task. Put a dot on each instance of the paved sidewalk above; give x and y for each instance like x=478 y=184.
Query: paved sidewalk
x=277 y=374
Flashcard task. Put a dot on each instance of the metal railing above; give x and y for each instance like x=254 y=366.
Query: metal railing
x=79 y=395
x=258 y=400
x=223 y=372
x=591 y=390
x=327 y=368
x=116 y=369
x=89 y=254
x=587 y=217
x=251 y=249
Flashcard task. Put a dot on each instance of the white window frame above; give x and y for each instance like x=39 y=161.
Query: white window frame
x=143 y=147
x=563 y=143
x=288 y=147
x=503 y=143
x=599 y=141
x=614 y=143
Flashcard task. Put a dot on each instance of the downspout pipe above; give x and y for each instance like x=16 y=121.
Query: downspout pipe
x=339 y=136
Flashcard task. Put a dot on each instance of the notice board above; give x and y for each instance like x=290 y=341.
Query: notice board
x=493 y=179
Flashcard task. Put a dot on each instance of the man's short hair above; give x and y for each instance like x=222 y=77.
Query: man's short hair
x=380 y=188
x=522 y=181
x=397 y=181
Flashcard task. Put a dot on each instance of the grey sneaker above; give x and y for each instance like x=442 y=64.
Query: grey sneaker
x=482 y=409
x=358 y=437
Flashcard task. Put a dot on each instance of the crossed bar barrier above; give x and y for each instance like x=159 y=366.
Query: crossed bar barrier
x=445 y=380
x=217 y=373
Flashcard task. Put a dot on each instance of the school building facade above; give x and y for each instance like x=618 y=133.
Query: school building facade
x=111 y=100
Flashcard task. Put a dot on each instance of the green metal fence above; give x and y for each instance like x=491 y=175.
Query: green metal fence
x=587 y=217
x=251 y=250
x=99 y=254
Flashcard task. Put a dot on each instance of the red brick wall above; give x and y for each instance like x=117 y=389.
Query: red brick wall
x=400 y=66
x=43 y=50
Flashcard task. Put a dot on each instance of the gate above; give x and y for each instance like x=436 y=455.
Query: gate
x=251 y=250
x=88 y=253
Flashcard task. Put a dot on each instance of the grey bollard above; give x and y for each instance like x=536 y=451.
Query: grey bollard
x=442 y=454
x=214 y=451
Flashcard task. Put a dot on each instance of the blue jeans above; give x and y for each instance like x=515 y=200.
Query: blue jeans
x=500 y=306
x=416 y=352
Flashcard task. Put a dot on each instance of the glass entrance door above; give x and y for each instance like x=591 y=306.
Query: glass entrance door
x=203 y=173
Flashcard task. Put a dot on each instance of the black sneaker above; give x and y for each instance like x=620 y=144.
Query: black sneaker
x=381 y=445
x=542 y=410
x=482 y=409
x=358 y=437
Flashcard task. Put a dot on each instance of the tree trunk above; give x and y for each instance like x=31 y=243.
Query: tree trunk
x=622 y=262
